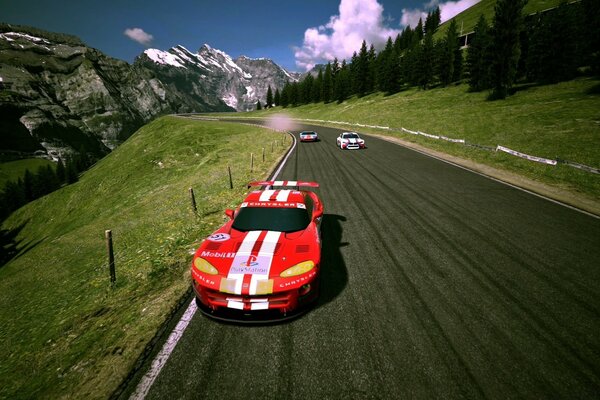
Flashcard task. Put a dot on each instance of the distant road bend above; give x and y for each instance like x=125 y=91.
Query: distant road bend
x=436 y=283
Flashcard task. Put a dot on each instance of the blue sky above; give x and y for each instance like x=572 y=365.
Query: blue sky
x=294 y=34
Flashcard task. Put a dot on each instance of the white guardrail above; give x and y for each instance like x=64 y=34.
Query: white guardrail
x=462 y=141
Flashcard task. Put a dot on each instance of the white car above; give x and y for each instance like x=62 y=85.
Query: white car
x=309 y=136
x=350 y=141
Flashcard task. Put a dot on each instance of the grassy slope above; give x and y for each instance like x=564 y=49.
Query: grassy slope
x=468 y=18
x=64 y=332
x=548 y=121
x=13 y=170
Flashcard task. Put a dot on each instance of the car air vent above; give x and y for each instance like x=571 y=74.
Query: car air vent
x=302 y=248
x=213 y=246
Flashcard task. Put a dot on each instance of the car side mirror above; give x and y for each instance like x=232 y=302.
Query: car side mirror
x=317 y=214
x=230 y=213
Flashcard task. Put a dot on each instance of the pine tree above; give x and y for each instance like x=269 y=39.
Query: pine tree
x=285 y=95
x=591 y=36
x=277 y=98
x=318 y=87
x=552 y=53
x=335 y=67
x=307 y=89
x=426 y=62
x=293 y=99
x=372 y=69
x=72 y=174
x=258 y=106
x=479 y=57
x=269 y=97
x=327 y=89
x=342 y=83
x=29 y=190
x=507 y=26
x=382 y=72
x=432 y=22
x=418 y=33
x=13 y=195
x=448 y=58
x=60 y=171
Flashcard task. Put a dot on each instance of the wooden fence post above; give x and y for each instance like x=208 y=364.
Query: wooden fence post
x=111 y=256
x=193 y=199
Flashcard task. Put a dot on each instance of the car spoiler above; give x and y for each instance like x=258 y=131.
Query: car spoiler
x=297 y=184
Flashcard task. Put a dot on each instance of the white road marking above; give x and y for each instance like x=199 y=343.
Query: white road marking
x=161 y=359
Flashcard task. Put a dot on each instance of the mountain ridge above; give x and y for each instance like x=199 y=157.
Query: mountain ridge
x=59 y=96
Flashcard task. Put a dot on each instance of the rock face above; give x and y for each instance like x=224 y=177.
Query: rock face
x=57 y=95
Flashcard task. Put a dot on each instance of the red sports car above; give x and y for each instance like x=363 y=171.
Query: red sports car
x=262 y=264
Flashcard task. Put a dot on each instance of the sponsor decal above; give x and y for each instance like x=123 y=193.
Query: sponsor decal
x=203 y=279
x=219 y=237
x=274 y=204
x=297 y=281
x=252 y=265
x=217 y=254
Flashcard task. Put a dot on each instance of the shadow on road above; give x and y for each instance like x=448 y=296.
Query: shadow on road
x=334 y=275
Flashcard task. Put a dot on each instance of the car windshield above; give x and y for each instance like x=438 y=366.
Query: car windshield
x=307 y=133
x=351 y=136
x=271 y=219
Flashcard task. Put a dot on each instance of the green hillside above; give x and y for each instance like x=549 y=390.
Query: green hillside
x=65 y=333
x=13 y=170
x=466 y=20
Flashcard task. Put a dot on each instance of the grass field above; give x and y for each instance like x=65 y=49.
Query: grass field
x=561 y=120
x=13 y=170
x=65 y=333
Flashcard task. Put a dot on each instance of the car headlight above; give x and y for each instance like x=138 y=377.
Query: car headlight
x=205 y=266
x=298 y=269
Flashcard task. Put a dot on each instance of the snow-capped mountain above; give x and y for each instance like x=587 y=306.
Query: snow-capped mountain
x=58 y=95
x=213 y=75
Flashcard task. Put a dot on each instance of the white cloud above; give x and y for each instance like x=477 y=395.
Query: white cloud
x=411 y=17
x=138 y=35
x=358 y=20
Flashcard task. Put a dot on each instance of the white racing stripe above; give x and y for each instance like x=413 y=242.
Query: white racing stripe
x=241 y=257
x=266 y=252
x=266 y=195
x=283 y=195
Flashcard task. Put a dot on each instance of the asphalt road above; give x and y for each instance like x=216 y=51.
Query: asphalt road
x=436 y=283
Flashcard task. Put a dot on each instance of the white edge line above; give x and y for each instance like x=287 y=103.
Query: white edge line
x=492 y=178
x=161 y=358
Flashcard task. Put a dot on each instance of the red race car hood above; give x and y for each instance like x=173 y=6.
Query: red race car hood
x=245 y=258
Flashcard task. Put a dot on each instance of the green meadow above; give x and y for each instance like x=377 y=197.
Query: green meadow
x=66 y=333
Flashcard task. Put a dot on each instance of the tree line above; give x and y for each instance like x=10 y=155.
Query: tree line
x=46 y=179
x=553 y=48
